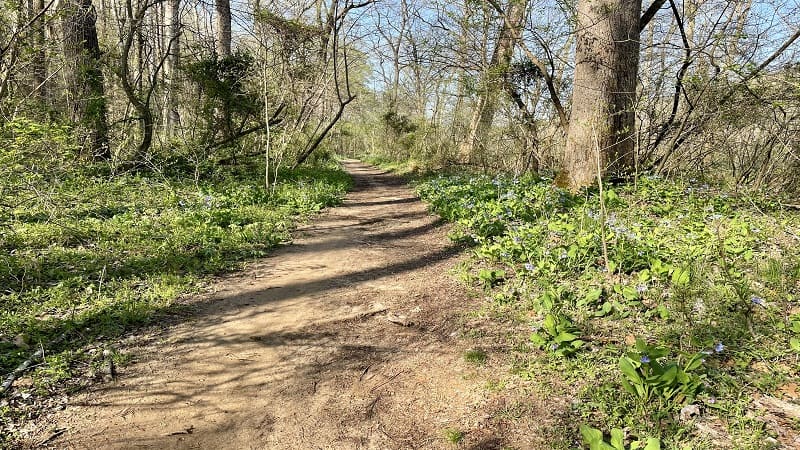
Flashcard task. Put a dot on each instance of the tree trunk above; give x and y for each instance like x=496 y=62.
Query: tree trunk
x=39 y=59
x=483 y=115
x=85 y=88
x=171 y=117
x=223 y=43
x=601 y=131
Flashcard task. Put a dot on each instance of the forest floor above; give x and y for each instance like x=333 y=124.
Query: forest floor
x=351 y=337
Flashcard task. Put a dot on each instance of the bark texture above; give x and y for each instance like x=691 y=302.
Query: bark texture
x=39 y=59
x=223 y=44
x=602 y=121
x=85 y=90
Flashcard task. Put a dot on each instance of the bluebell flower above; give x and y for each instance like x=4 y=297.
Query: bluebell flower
x=529 y=267
x=516 y=239
x=641 y=288
x=510 y=195
x=645 y=359
x=554 y=346
x=208 y=199
x=756 y=300
x=719 y=347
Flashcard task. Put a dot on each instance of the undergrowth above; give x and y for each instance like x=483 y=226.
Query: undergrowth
x=646 y=301
x=87 y=256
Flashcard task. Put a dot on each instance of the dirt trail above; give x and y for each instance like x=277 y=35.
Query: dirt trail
x=298 y=351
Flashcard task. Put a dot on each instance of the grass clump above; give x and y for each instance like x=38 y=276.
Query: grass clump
x=453 y=436
x=475 y=356
x=663 y=293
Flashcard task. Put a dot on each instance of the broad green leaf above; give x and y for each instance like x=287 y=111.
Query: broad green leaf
x=630 y=293
x=591 y=435
x=653 y=444
x=549 y=324
x=680 y=276
x=593 y=295
x=627 y=386
x=627 y=368
x=669 y=375
x=565 y=337
x=617 y=439
x=644 y=276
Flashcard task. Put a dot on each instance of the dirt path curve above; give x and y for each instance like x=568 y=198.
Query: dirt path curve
x=298 y=351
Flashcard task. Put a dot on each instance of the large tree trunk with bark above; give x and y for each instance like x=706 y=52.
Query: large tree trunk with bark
x=85 y=89
x=483 y=115
x=601 y=129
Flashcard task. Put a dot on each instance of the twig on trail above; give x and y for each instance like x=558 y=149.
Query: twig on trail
x=364 y=373
x=387 y=381
x=56 y=433
x=189 y=430
x=9 y=381
x=372 y=406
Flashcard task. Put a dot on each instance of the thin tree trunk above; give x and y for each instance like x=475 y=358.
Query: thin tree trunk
x=223 y=19
x=39 y=60
x=483 y=115
x=171 y=117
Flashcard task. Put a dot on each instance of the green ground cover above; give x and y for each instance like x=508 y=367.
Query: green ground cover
x=639 y=301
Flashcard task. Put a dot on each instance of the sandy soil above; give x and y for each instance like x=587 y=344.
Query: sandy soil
x=348 y=338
